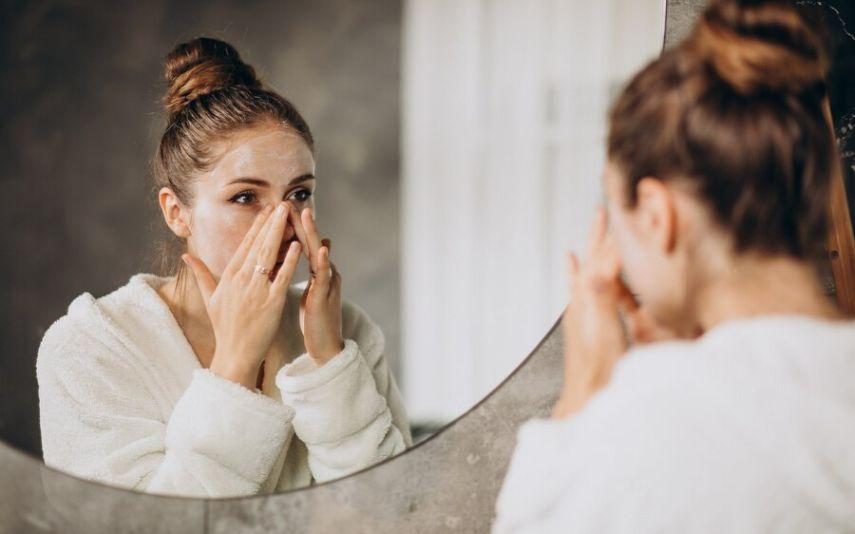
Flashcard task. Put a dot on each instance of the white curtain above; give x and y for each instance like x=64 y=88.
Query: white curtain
x=504 y=110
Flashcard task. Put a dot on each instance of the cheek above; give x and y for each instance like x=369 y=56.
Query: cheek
x=217 y=233
x=630 y=257
x=647 y=276
x=637 y=265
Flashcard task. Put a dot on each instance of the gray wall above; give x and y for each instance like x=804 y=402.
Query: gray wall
x=81 y=118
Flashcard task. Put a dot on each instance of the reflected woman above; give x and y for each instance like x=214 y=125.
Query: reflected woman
x=223 y=379
x=735 y=410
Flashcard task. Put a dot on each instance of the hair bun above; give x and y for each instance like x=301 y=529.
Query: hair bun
x=202 y=66
x=757 y=45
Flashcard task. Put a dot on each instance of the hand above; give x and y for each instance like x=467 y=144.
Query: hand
x=641 y=327
x=245 y=307
x=594 y=337
x=320 y=305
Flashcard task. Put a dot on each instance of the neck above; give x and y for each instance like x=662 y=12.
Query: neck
x=754 y=286
x=185 y=302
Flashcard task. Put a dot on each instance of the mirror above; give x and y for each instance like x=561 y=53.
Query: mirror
x=449 y=139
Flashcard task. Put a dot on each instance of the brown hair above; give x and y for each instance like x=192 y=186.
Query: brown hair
x=736 y=110
x=210 y=94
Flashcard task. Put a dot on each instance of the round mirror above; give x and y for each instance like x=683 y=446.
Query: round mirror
x=451 y=151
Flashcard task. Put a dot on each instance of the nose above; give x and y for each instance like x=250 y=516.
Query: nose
x=289 y=234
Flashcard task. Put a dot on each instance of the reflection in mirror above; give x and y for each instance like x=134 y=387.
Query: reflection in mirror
x=149 y=386
x=214 y=377
x=132 y=390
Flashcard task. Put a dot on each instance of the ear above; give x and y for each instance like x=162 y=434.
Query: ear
x=175 y=214
x=656 y=214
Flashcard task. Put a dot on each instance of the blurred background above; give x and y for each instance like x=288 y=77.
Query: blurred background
x=459 y=148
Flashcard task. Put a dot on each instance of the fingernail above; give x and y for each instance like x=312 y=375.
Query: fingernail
x=184 y=259
x=280 y=209
x=312 y=214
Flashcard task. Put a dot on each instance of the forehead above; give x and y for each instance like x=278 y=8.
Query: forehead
x=268 y=153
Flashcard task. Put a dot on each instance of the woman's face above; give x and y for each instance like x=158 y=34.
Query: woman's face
x=258 y=167
x=651 y=270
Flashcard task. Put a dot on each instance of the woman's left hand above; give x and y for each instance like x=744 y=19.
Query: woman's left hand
x=320 y=306
x=594 y=335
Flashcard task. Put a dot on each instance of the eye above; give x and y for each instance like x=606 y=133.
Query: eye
x=300 y=195
x=244 y=197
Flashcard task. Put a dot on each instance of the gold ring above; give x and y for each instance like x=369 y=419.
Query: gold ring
x=259 y=268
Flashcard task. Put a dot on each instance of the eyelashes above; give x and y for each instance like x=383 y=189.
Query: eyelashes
x=303 y=194
x=246 y=198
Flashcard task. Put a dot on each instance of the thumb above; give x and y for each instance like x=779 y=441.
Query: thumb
x=204 y=279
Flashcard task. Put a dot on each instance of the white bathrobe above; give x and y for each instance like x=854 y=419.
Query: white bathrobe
x=124 y=400
x=749 y=429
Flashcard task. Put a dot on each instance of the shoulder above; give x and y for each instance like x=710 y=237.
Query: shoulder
x=658 y=367
x=89 y=329
x=651 y=439
x=666 y=404
x=659 y=401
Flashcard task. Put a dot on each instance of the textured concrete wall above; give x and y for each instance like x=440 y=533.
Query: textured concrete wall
x=680 y=15
x=81 y=119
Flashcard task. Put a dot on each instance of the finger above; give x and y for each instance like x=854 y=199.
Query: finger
x=313 y=239
x=610 y=253
x=335 y=284
x=268 y=251
x=286 y=272
x=204 y=279
x=327 y=242
x=572 y=266
x=598 y=230
x=299 y=230
x=572 y=272
x=254 y=253
x=239 y=255
x=323 y=276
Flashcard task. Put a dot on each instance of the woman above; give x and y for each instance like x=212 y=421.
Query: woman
x=222 y=380
x=740 y=417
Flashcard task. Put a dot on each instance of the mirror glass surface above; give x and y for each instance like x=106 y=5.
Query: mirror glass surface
x=458 y=150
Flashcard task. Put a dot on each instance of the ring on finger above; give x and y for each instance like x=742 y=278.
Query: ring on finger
x=261 y=269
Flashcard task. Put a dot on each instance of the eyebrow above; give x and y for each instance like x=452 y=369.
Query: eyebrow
x=264 y=183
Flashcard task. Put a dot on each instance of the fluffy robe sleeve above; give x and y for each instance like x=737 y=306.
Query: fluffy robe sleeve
x=749 y=431
x=101 y=420
x=349 y=412
x=105 y=416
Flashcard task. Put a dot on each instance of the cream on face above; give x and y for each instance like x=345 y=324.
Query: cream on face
x=258 y=167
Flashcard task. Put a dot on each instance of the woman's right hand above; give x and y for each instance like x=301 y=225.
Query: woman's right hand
x=245 y=307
